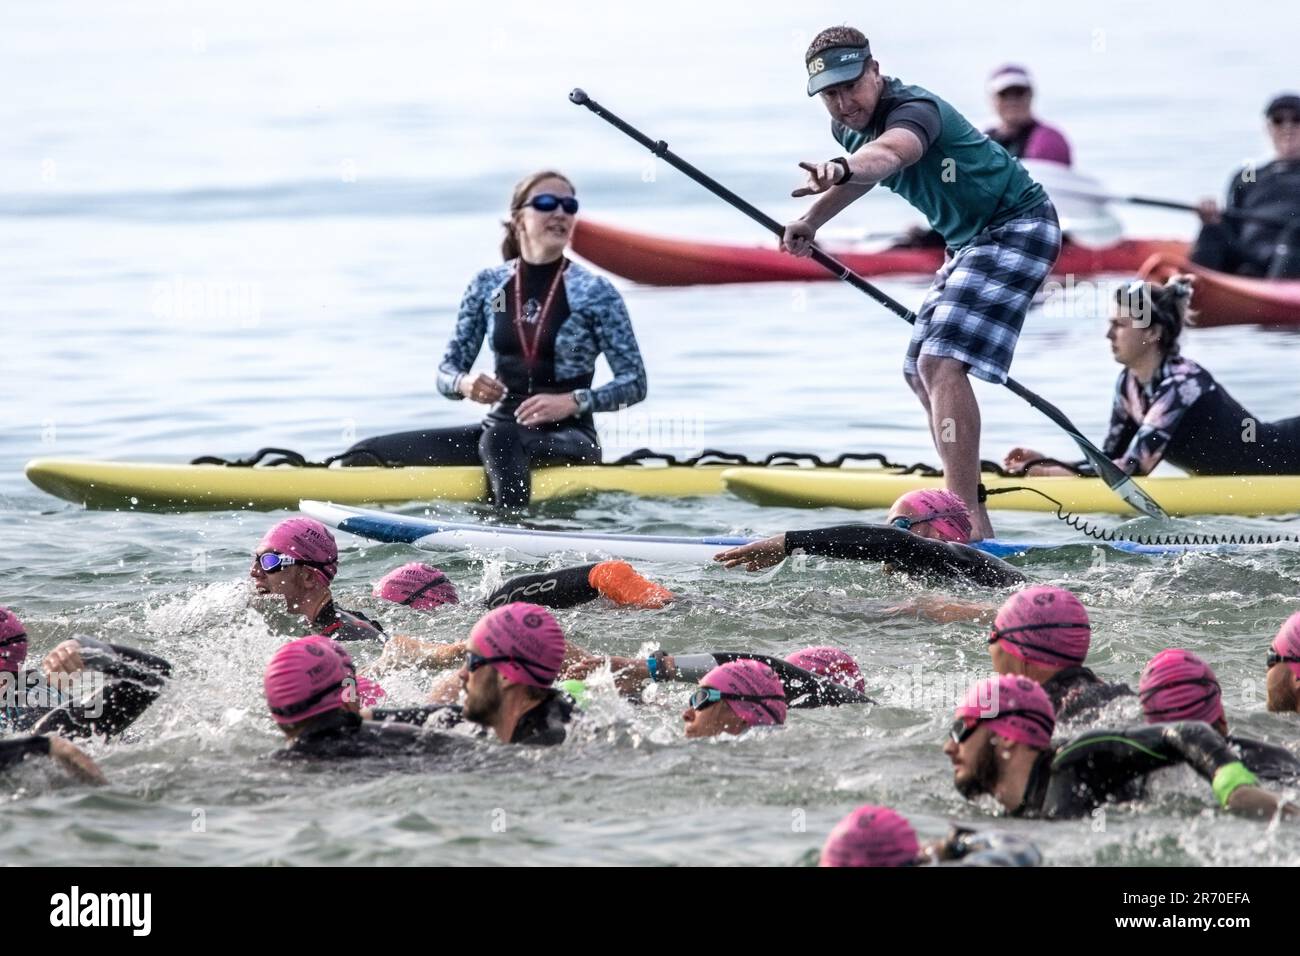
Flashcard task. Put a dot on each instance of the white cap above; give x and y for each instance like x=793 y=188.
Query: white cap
x=1005 y=77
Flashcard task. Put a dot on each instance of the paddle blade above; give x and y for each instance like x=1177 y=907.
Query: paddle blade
x=1121 y=483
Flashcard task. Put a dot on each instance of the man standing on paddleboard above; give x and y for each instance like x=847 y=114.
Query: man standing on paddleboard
x=1000 y=228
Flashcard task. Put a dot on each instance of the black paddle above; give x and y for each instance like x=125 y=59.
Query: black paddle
x=1119 y=482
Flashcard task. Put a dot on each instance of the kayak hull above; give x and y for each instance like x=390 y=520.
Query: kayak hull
x=1222 y=299
x=656 y=260
x=132 y=486
x=850 y=488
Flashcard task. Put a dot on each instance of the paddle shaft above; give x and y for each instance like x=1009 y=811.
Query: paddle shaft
x=1106 y=469
x=1172 y=204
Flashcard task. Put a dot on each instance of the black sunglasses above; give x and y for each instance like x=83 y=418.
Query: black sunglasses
x=1275 y=658
x=474 y=661
x=1282 y=119
x=548 y=202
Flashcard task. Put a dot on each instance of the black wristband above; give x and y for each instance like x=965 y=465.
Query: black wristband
x=848 y=173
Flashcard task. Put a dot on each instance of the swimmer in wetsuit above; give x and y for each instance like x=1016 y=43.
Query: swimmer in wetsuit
x=546 y=320
x=83 y=688
x=310 y=687
x=297 y=559
x=1168 y=408
x=512 y=658
x=1043 y=633
x=1177 y=685
x=1001 y=744
x=878 y=836
x=925 y=536
x=1283 y=676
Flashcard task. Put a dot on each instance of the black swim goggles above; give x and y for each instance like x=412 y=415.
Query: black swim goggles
x=904 y=523
x=474 y=661
x=1002 y=634
x=273 y=563
x=705 y=697
x=961 y=730
x=1275 y=658
x=548 y=202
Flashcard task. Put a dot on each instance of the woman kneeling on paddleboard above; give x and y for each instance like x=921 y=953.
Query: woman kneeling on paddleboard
x=546 y=319
x=1169 y=408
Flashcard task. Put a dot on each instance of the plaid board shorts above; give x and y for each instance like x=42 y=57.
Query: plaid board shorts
x=978 y=300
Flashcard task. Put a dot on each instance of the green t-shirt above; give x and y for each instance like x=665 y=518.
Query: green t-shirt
x=964 y=182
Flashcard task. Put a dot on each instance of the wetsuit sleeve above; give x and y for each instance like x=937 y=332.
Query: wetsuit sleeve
x=561 y=588
x=448 y=715
x=906 y=551
x=1108 y=763
x=1176 y=394
x=614 y=335
x=467 y=341
x=13 y=750
x=1267 y=761
x=920 y=117
x=134 y=680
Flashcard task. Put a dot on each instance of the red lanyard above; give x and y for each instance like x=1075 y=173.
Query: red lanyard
x=534 y=346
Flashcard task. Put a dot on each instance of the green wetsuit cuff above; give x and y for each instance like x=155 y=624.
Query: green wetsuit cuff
x=1228 y=778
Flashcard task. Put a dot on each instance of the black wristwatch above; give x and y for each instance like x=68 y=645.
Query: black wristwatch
x=848 y=173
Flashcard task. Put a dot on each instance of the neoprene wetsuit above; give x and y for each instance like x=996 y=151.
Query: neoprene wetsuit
x=1250 y=247
x=14 y=750
x=910 y=553
x=132 y=680
x=1104 y=766
x=344 y=735
x=341 y=625
x=1076 y=692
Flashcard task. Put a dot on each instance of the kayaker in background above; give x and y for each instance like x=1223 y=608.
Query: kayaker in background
x=925 y=535
x=1248 y=247
x=1001 y=745
x=297 y=559
x=1176 y=685
x=1168 y=408
x=1043 y=633
x=1018 y=131
x=1283 y=680
x=998 y=223
x=546 y=320
x=878 y=836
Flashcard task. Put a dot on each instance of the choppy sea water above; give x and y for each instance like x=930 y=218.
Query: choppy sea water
x=225 y=229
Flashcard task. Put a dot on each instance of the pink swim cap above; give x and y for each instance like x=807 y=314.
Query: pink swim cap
x=368 y=692
x=417 y=585
x=1044 y=625
x=751 y=679
x=307 y=539
x=871 y=836
x=1178 y=685
x=945 y=512
x=523 y=641
x=1287 y=643
x=830 y=662
x=1016 y=708
x=13 y=641
x=306 y=678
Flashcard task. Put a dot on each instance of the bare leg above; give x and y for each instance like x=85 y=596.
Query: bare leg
x=918 y=387
x=955 y=423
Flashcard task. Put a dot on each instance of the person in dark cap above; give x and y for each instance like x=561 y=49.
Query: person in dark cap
x=1257 y=233
x=1000 y=228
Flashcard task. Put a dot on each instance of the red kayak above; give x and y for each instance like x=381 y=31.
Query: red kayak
x=1222 y=299
x=655 y=260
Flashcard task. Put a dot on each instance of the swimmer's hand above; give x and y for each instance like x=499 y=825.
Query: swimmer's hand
x=630 y=673
x=403 y=651
x=756 y=555
x=64 y=659
x=1257 y=802
x=74 y=761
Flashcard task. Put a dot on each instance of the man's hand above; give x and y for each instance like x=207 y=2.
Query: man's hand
x=64 y=659
x=543 y=409
x=75 y=762
x=821 y=177
x=482 y=388
x=1209 y=212
x=798 y=238
x=756 y=555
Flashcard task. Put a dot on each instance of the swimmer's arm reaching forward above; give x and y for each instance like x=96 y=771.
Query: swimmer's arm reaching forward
x=13 y=750
x=903 y=550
